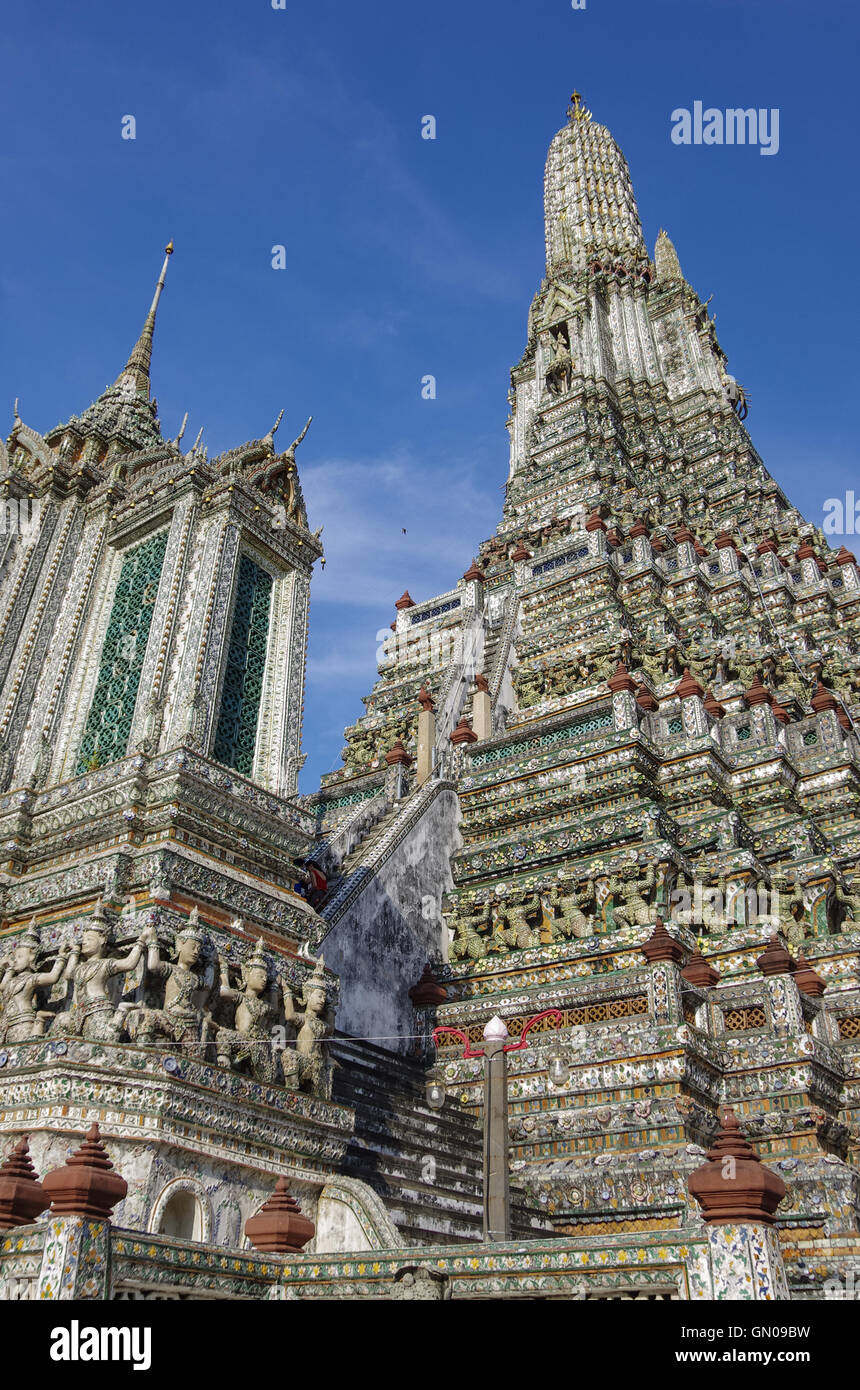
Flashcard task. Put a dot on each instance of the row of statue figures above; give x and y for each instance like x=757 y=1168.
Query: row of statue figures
x=196 y=1002
x=555 y=910
x=541 y=679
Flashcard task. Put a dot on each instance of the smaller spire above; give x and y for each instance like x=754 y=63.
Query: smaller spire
x=397 y=754
x=140 y=360
x=666 y=261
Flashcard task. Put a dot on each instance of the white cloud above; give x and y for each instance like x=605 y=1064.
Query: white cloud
x=365 y=506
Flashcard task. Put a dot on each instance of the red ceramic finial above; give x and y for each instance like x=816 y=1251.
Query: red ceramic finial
x=474 y=573
x=808 y=979
x=482 y=684
x=775 y=959
x=622 y=680
x=660 y=946
x=742 y=1190
x=398 y=754
x=405 y=601
x=428 y=993
x=22 y=1196
x=699 y=971
x=280 y=1227
x=463 y=734
x=688 y=686
x=425 y=699
x=595 y=522
x=713 y=706
x=823 y=699
x=757 y=694
x=645 y=699
x=521 y=553
x=87 y=1184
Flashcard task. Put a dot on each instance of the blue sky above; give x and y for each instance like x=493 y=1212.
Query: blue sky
x=301 y=127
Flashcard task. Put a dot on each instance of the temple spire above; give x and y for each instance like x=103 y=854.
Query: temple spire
x=666 y=261
x=141 y=354
x=589 y=206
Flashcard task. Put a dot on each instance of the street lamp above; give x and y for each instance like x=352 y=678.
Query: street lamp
x=435 y=1095
x=497 y=1197
x=558 y=1070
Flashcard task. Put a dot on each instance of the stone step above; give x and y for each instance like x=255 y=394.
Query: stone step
x=363 y=1090
x=395 y=1133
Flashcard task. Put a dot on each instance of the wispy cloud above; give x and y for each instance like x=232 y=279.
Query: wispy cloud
x=391 y=523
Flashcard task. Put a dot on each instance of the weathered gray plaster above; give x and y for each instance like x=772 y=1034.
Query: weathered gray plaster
x=382 y=943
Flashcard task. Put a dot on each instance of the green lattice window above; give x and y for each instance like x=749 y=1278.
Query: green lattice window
x=108 y=725
x=236 y=732
x=589 y=725
x=676 y=725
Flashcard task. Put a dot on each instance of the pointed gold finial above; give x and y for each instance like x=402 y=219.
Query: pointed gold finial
x=139 y=362
x=576 y=111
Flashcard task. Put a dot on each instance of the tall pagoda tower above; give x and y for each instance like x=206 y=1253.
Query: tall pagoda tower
x=615 y=769
x=154 y=946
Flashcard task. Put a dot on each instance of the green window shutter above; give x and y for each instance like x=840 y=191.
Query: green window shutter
x=236 y=731
x=108 y=725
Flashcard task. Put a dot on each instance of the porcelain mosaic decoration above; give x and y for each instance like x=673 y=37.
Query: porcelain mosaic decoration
x=613 y=772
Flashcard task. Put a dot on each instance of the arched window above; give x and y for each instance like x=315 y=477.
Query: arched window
x=182 y=1216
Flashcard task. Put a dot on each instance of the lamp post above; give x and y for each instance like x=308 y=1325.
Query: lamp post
x=497 y=1197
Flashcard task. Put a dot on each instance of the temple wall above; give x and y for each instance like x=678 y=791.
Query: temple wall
x=381 y=944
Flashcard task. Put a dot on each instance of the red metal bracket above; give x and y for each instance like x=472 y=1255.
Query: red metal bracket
x=547 y=1013
x=469 y=1051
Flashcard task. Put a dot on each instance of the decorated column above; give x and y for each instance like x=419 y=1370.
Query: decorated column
x=664 y=955
x=739 y=1196
x=693 y=713
x=83 y=1194
x=624 y=708
x=778 y=968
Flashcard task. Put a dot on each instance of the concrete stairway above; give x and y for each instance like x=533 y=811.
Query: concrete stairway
x=366 y=843
x=425 y=1164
